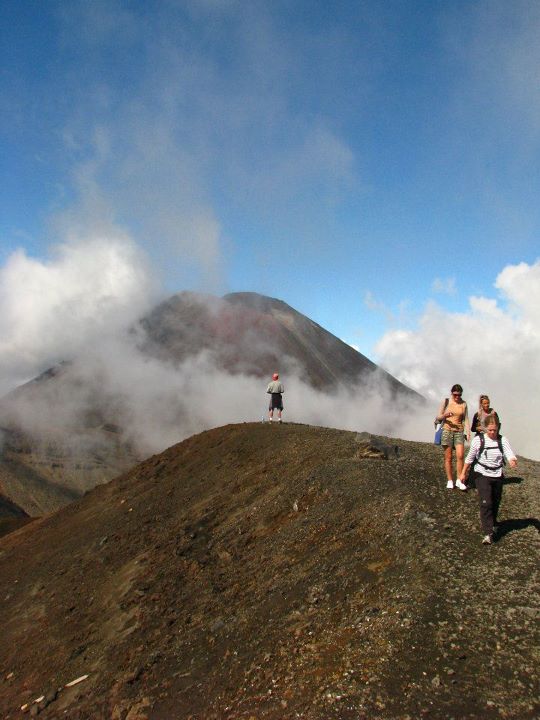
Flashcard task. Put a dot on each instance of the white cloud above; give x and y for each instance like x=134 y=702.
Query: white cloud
x=492 y=348
x=55 y=309
x=521 y=285
x=82 y=304
x=158 y=404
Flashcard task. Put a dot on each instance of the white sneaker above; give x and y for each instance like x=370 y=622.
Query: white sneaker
x=460 y=485
x=487 y=540
x=450 y=485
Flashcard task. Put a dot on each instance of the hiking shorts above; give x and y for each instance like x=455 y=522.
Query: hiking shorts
x=276 y=402
x=452 y=438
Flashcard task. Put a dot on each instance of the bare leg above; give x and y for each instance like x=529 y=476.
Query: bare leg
x=270 y=414
x=460 y=456
x=448 y=462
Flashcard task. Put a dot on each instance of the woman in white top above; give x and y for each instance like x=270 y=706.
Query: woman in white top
x=489 y=451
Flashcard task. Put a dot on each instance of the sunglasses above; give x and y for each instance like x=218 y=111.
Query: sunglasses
x=457 y=394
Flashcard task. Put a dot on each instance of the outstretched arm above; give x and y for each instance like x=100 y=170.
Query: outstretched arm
x=508 y=453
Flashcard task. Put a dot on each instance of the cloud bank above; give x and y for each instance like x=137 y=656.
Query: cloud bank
x=57 y=309
x=83 y=305
x=493 y=348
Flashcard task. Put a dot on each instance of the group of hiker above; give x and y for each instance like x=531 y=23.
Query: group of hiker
x=482 y=467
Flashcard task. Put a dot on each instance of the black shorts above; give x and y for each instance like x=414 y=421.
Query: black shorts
x=276 y=402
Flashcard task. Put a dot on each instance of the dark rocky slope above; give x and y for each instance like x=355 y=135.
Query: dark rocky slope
x=275 y=571
x=11 y=515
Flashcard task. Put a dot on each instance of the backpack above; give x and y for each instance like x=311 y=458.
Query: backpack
x=481 y=450
x=438 y=432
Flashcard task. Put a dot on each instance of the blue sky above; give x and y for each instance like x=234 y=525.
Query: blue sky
x=359 y=160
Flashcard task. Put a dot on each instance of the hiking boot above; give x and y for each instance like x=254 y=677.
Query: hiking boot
x=450 y=485
x=487 y=540
x=461 y=485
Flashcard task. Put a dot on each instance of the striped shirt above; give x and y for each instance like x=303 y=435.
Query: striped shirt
x=490 y=462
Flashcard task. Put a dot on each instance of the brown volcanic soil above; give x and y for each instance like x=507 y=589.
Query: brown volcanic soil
x=11 y=515
x=275 y=571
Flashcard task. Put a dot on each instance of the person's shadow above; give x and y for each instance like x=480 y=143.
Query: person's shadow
x=512 y=480
x=508 y=526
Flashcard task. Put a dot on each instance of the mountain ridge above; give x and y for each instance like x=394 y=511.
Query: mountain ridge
x=329 y=567
x=275 y=571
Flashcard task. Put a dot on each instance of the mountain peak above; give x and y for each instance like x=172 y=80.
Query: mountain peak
x=261 y=303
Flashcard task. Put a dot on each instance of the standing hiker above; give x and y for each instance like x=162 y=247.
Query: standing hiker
x=455 y=419
x=488 y=451
x=275 y=390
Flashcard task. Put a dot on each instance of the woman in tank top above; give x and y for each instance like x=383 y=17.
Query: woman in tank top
x=484 y=410
x=455 y=419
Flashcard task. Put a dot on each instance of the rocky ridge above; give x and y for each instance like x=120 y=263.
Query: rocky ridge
x=275 y=571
